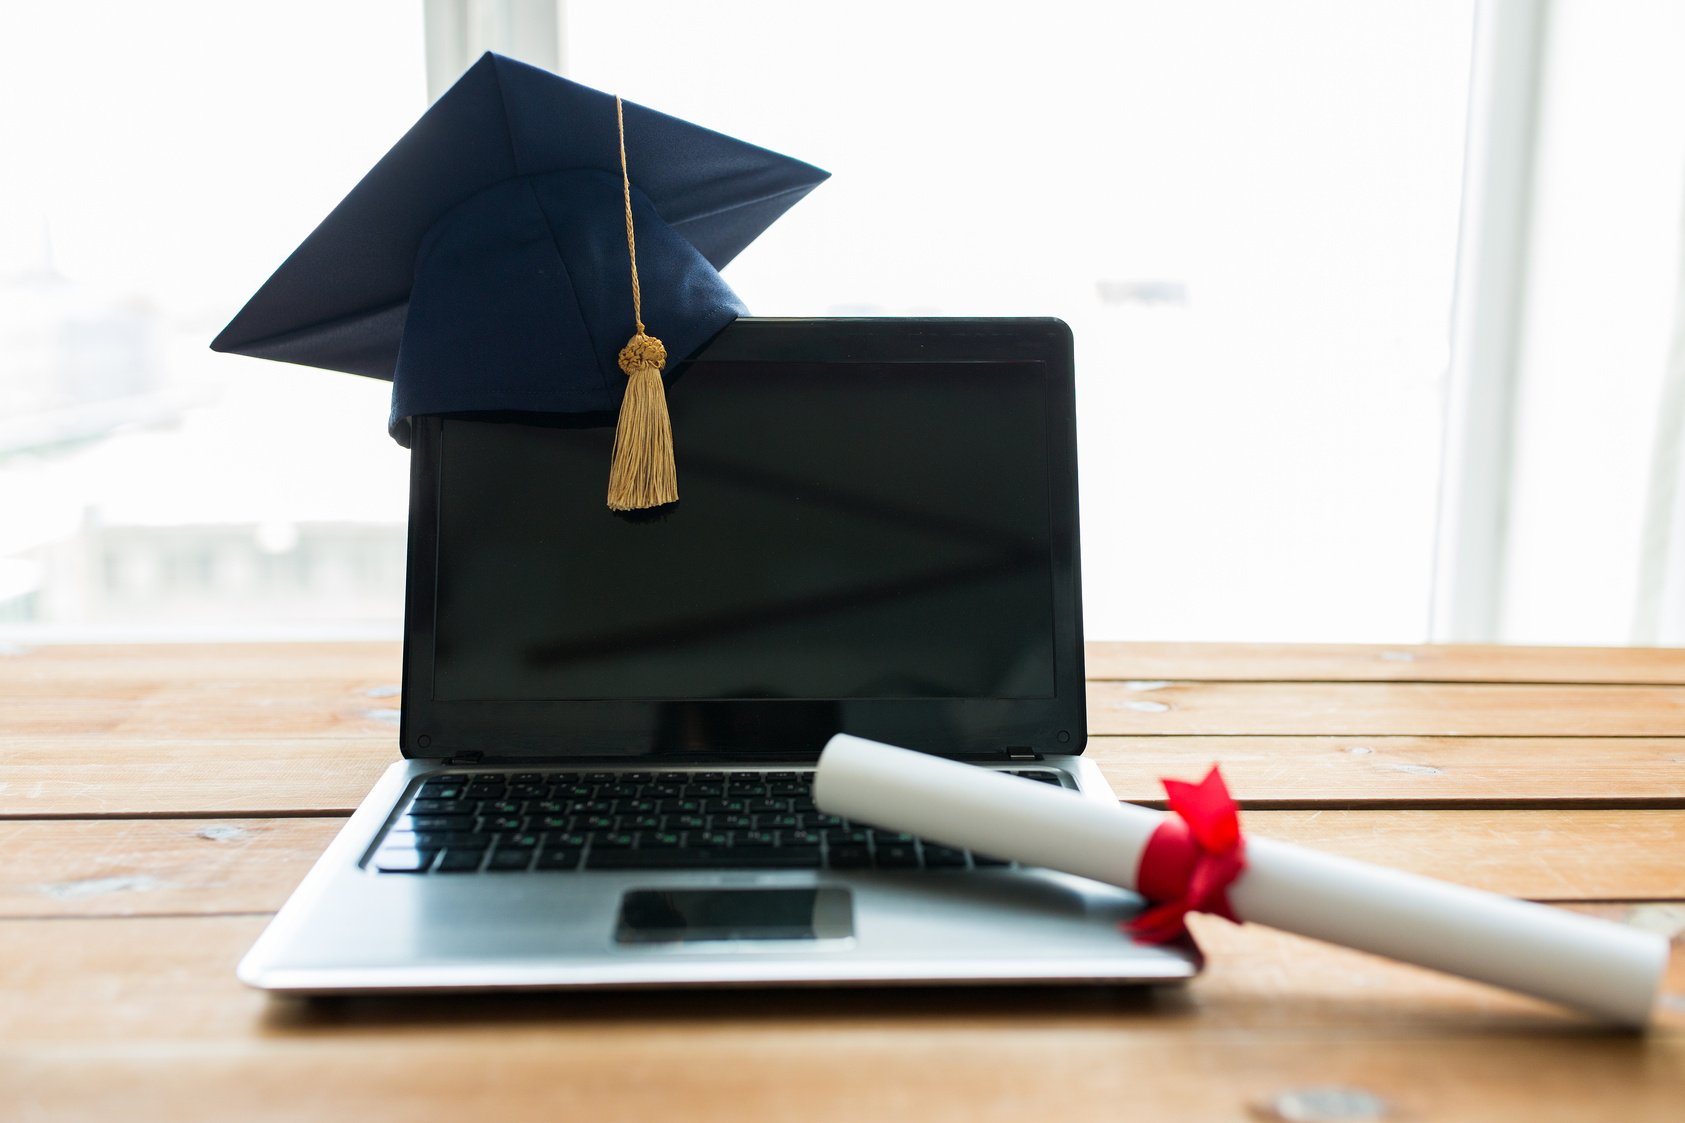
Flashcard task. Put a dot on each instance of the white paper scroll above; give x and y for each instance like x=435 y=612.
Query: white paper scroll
x=1601 y=967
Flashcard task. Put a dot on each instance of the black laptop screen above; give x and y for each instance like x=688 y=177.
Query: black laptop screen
x=845 y=531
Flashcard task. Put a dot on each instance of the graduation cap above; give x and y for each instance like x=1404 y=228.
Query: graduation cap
x=506 y=253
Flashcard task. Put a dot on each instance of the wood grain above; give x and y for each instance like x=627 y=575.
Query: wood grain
x=46 y=776
x=1380 y=709
x=707 y=1073
x=130 y=665
x=194 y=690
x=155 y=867
x=208 y=776
x=119 y=1018
x=1356 y=771
x=1312 y=662
x=152 y=867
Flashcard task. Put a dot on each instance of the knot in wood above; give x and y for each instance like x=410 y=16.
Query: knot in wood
x=642 y=352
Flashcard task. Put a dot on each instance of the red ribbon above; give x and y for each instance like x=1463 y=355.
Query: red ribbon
x=1190 y=860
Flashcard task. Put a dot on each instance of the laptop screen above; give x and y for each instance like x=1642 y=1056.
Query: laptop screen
x=855 y=534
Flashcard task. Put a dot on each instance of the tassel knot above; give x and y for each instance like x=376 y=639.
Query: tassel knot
x=642 y=351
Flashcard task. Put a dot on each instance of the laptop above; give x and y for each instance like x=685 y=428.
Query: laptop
x=610 y=723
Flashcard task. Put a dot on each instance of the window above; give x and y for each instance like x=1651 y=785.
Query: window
x=1247 y=213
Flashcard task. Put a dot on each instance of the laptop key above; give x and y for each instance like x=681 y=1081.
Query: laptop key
x=436 y=823
x=404 y=861
x=943 y=857
x=510 y=860
x=731 y=857
x=460 y=861
x=558 y=860
x=848 y=856
x=897 y=856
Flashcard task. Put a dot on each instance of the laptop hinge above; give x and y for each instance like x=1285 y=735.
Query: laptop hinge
x=1021 y=752
x=465 y=758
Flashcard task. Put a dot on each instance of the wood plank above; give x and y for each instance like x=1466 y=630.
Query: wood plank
x=143 y=1019
x=177 y=973
x=225 y=691
x=1306 y=662
x=707 y=1073
x=136 y=665
x=1379 y=709
x=116 y=775
x=128 y=668
x=155 y=867
x=1404 y=771
x=328 y=690
x=160 y=867
x=97 y=775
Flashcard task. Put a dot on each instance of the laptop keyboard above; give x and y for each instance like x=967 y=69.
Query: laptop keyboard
x=514 y=822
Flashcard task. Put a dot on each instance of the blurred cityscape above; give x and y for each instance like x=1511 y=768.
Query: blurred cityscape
x=181 y=524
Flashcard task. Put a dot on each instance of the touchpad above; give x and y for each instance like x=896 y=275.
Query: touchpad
x=675 y=916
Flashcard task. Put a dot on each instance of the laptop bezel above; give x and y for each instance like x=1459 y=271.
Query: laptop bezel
x=565 y=731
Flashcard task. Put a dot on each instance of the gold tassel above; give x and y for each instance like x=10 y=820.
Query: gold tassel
x=642 y=474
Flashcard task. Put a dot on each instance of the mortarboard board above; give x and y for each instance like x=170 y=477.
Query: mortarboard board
x=483 y=265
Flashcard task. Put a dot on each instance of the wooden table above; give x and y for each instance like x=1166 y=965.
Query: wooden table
x=160 y=802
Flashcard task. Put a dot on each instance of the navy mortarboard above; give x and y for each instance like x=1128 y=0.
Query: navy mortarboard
x=507 y=252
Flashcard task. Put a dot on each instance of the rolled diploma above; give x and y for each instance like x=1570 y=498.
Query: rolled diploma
x=1604 y=968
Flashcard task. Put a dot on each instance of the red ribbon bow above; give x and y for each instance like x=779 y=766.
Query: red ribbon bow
x=1190 y=860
